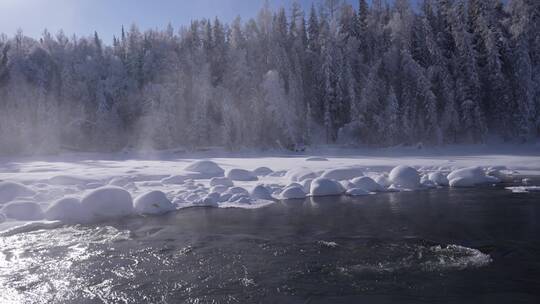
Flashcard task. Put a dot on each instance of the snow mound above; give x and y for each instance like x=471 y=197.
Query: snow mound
x=262 y=171
x=23 y=211
x=367 y=183
x=294 y=192
x=153 y=202
x=205 y=168
x=174 y=180
x=241 y=175
x=405 y=177
x=316 y=159
x=325 y=187
x=107 y=202
x=221 y=181
x=343 y=173
x=357 y=192
x=10 y=191
x=438 y=179
x=300 y=174
x=261 y=192
x=68 y=209
x=470 y=177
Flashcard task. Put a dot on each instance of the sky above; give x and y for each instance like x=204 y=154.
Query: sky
x=83 y=17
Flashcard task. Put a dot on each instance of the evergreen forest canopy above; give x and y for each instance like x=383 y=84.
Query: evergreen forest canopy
x=377 y=74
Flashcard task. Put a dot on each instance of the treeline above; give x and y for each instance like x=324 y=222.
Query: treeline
x=376 y=74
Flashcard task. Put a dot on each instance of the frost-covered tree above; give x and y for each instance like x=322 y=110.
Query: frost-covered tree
x=373 y=73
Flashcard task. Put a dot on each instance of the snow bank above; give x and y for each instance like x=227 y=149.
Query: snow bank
x=154 y=202
x=241 y=175
x=262 y=171
x=68 y=209
x=10 y=191
x=405 y=177
x=292 y=192
x=23 y=211
x=325 y=187
x=261 y=192
x=438 y=179
x=367 y=183
x=343 y=173
x=107 y=202
x=470 y=177
x=205 y=169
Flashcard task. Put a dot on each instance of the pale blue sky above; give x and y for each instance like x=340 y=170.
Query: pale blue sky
x=83 y=17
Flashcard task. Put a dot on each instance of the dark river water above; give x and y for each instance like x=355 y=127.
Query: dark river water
x=436 y=246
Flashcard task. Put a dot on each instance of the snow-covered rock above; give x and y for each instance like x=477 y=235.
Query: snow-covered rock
x=347 y=184
x=357 y=192
x=306 y=184
x=316 y=159
x=68 y=209
x=219 y=189
x=223 y=181
x=209 y=200
x=343 y=173
x=23 y=211
x=325 y=187
x=205 y=169
x=153 y=202
x=383 y=181
x=367 y=183
x=300 y=174
x=237 y=190
x=107 y=202
x=293 y=192
x=261 y=192
x=470 y=177
x=10 y=191
x=294 y=185
x=175 y=180
x=405 y=177
x=262 y=171
x=438 y=179
x=241 y=175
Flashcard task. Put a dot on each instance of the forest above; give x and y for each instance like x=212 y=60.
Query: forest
x=373 y=74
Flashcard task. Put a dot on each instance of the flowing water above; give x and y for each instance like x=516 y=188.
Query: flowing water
x=437 y=246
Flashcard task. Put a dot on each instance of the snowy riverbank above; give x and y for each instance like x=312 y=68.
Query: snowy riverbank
x=79 y=188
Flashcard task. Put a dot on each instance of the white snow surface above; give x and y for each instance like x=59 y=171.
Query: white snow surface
x=37 y=185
